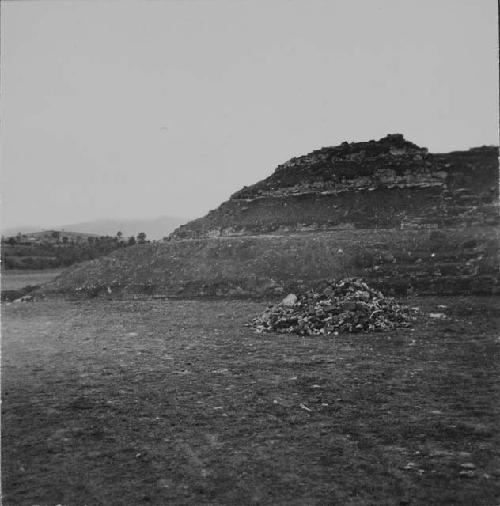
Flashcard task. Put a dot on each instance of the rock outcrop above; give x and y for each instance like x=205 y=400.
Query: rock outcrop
x=390 y=183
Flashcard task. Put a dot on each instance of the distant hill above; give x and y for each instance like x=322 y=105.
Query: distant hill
x=155 y=228
x=12 y=231
x=66 y=233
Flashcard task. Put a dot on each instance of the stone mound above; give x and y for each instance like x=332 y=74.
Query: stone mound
x=349 y=305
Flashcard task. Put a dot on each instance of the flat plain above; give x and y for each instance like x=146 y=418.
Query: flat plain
x=178 y=402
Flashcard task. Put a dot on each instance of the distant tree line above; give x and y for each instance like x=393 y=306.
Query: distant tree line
x=20 y=253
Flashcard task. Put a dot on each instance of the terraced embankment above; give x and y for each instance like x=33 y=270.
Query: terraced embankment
x=397 y=261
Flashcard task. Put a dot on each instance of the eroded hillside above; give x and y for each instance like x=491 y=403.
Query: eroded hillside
x=406 y=220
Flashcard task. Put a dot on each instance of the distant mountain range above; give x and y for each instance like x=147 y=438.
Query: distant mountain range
x=154 y=228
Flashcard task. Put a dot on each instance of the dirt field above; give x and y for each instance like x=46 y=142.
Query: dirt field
x=15 y=279
x=176 y=402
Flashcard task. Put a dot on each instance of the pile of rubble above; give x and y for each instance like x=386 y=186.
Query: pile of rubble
x=349 y=305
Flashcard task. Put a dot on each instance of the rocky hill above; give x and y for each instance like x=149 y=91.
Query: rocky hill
x=406 y=220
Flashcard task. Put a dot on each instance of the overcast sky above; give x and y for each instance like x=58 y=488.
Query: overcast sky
x=140 y=109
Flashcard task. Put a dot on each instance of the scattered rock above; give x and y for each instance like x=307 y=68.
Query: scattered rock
x=164 y=483
x=468 y=465
x=467 y=474
x=410 y=465
x=441 y=453
x=220 y=371
x=289 y=300
x=440 y=316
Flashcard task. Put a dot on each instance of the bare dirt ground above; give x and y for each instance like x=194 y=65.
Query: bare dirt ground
x=176 y=402
x=14 y=279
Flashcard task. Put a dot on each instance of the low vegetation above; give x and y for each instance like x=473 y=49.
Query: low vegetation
x=55 y=250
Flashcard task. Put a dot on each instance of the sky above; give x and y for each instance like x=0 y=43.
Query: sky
x=136 y=109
